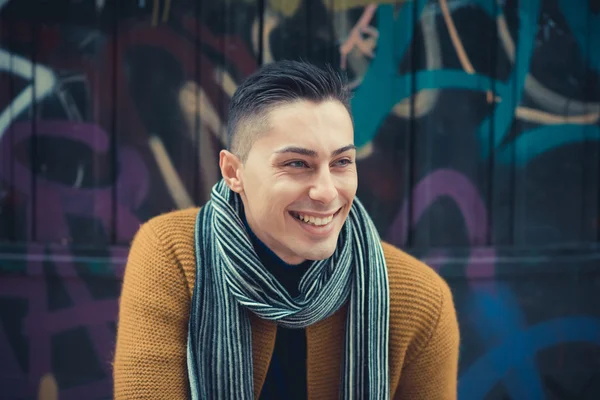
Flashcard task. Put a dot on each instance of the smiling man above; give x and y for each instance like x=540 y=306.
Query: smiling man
x=280 y=287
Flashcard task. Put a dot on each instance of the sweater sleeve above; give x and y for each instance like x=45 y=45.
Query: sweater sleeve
x=433 y=373
x=150 y=355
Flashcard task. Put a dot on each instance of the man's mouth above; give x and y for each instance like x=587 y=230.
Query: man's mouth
x=320 y=220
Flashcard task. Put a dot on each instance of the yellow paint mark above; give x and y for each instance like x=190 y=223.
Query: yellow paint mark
x=286 y=8
x=364 y=151
x=344 y=5
x=541 y=117
x=210 y=117
x=543 y=95
x=416 y=106
x=166 y=11
x=170 y=176
x=504 y=33
x=270 y=22
x=155 y=8
x=458 y=46
x=209 y=162
x=48 y=389
x=355 y=38
x=194 y=101
x=227 y=82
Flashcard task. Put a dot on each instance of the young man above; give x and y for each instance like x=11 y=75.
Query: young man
x=280 y=287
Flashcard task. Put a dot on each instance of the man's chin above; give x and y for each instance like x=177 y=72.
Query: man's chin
x=314 y=249
x=317 y=254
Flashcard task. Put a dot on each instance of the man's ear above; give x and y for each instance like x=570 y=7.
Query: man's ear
x=230 y=166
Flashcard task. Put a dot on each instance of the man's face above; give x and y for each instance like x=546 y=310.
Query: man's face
x=300 y=179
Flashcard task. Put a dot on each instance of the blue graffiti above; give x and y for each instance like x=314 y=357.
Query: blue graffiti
x=498 y=316
x=517 y=347
x=382 y=87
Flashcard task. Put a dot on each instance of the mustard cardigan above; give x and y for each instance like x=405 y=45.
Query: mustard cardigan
x=150 y=355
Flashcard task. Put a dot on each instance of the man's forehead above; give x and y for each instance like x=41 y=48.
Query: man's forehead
x=300 y=126
x=305 y=142
x=293 y=108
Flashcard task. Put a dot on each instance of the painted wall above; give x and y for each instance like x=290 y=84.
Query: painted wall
x=478 y=130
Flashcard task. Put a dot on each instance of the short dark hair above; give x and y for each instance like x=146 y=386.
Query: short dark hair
x=276 y=84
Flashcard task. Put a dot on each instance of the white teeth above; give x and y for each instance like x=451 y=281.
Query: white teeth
x=314 y=220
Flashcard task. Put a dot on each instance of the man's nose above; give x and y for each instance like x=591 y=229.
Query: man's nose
x=323 y=189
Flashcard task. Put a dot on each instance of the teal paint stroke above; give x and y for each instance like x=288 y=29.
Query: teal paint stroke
x=382 y=87
x=535 y=142
x=373 y=100
x=585 y=28
x=512 y=91
x=452 y=79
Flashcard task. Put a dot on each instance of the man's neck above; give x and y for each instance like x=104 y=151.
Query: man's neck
x=266 y=255
x=288 y=275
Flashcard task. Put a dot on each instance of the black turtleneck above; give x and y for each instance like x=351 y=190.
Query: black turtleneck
x=286 y=377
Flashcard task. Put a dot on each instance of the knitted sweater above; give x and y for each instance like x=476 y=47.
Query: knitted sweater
x=150 y=356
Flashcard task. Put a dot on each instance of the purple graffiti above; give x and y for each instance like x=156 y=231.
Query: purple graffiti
x=55 y=202
x=40 y=324
x=58 y=199
x=453 y=184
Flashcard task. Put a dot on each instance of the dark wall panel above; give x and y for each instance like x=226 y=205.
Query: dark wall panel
x=554 y=186
x=74 y=156
x=453 y=72
x=7 y=216
x=18 y=72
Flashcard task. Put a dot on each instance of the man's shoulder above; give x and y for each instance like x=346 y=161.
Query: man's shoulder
x=176 y=225
x=403 y=267
x=422 y=313
x=170 y=234
x=165 y=245
x=414 y=285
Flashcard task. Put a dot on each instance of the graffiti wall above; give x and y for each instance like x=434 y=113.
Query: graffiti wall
x=478 y=128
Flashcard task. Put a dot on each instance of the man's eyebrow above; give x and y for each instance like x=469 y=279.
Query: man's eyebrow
x=311 y=153
x=298 y=150
x=343 y=150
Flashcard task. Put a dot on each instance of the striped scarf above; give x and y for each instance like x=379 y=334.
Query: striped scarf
x=230 y=280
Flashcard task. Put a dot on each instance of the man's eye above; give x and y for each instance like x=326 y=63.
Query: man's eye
x=343 y=162
x=296 y=164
